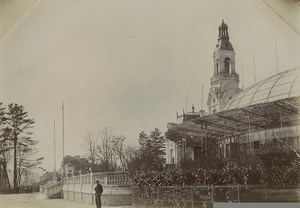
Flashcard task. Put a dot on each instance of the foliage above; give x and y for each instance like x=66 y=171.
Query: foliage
x=118 y=148
x=16 y=141
x=104 y=150
x=229 y=174
x=279 y=163
x=90 y=144
x=80 y=164
x=5 y=147
x=132 y=158
x=152 y=150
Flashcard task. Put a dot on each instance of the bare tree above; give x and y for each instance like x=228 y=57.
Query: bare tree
x=105 y=149
x=130 y=156
x=90 y=145
x=118 y=147
x=25 y=150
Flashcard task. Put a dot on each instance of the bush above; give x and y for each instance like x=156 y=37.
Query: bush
x=229 y=174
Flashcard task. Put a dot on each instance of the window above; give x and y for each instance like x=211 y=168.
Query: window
x=218 y=66
x=227 y=65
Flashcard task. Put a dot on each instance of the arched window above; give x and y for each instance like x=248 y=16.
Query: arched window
x=227 y=65
x=218 y=66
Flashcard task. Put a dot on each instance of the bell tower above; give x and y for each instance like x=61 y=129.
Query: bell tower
x=224 y=83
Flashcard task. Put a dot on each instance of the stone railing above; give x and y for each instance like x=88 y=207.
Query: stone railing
x=116 y=188
x=52 y=190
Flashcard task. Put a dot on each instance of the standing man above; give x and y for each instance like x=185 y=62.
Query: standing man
x=98 y=191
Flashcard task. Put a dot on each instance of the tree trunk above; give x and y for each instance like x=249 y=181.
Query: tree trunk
x=5 y=176
x=15 y=163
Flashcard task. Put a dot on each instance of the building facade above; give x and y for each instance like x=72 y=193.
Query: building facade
x=238 y=121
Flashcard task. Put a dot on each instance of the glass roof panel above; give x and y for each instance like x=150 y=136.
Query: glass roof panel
x=279 y=86
x=280 y=90
x=245 y=100
x=286 y=79
x=251 y=91
x=261 y=95
x=267 y=85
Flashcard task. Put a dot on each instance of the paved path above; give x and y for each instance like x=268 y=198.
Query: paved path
x=36 y=200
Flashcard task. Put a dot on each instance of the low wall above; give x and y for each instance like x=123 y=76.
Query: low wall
x=112 y=196
x=116 y=188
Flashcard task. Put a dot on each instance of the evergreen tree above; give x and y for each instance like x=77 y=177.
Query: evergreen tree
x=152 y=150
x=18 y=124
x=5 y=148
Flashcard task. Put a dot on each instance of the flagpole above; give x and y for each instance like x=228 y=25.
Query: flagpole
x=63 y=129
x=63 y=138
x=54 y=174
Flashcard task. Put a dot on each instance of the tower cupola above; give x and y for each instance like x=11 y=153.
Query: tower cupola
x=223 y=30
x=223 y=39
x=224 y=83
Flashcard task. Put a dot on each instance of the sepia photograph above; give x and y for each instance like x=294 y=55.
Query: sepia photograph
x=150 y=103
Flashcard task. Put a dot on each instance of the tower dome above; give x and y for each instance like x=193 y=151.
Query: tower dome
x=223 y=38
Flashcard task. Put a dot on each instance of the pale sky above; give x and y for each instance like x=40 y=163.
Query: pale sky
x=127 y=65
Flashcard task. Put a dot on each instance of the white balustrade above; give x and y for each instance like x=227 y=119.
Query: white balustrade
x=84 y=183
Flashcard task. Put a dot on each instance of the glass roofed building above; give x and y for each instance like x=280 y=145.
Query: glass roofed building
x=280 y=86
x=238 y=121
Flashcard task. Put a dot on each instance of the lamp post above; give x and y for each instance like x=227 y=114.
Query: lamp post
x=90 y=165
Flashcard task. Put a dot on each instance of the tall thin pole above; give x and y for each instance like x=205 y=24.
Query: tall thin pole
x=276 y=56
x=202 y=99
x=54 y=148
x=254 y=68
x=63 y=129
x=54 y=174
x=63 y=138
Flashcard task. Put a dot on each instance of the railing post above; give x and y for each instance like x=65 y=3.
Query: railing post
x=80 y=186
x=91 y=177
x=105 y=179
x=73 y=186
